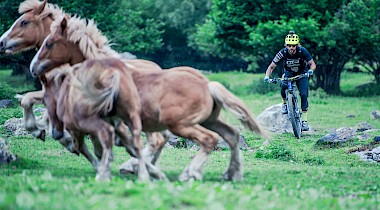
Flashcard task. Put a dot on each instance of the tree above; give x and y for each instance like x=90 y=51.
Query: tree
x=359 y=24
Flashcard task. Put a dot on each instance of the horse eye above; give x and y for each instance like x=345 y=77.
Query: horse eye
x=24 y=23
x=49 y=45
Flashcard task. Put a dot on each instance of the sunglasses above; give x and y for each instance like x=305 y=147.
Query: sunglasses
x=291 y=45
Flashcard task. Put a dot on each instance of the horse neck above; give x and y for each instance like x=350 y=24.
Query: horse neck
x=76 y=55
x=45 y=30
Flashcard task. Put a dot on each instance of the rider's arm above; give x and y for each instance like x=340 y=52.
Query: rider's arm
x=312 y=64
x=270 y=69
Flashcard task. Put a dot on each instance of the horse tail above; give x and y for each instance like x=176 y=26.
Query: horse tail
x=99 y=87
x=224 y=98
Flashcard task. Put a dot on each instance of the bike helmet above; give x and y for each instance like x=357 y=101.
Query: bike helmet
x=292 y=38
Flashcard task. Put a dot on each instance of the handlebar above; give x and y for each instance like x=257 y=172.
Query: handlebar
x=275 y=80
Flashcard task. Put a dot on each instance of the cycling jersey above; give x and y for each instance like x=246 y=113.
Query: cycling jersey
x=293 y=64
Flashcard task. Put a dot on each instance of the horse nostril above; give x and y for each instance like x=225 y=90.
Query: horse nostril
x=2 y=44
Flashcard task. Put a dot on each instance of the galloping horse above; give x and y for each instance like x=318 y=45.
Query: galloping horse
x=110 y=101
x=29 y=31
x=181 y=99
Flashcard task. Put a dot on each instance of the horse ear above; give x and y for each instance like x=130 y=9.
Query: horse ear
x=40 y=8
x=63 y=25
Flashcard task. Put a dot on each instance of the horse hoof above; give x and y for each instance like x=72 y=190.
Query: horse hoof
x=42 y=135
x=57 y=134
x=232 y=177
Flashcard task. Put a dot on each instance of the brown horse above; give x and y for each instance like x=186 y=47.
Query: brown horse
x=110 y=101
x=181 y=99
x=29 y=31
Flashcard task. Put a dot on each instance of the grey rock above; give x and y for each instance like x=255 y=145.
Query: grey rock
x=274 y=121
x=6 y=155
x=375 y=114
x=6 y=103
x=376 y=139
x=341 y=135
x=363 y=126
x=16 y=127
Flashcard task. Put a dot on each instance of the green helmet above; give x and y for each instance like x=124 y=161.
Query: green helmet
x=292 y=38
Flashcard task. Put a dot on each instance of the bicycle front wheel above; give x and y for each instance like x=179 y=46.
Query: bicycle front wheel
x=293 y=117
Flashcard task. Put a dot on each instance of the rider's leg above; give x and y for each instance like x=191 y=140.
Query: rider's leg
x=303 y=87
x=284 y=108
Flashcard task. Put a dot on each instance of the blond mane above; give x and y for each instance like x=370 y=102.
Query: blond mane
x=91 y=41
x=29 y=5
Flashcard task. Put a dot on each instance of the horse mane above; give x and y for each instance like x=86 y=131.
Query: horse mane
x=29 y=5
x=91 y=41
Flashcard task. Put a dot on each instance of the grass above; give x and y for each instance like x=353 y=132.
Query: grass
x=19 y=83
x=288 y=173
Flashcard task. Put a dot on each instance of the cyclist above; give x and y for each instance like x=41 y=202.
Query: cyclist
x=296 y=60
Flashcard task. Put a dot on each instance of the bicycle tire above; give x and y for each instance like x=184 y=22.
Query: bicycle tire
x=294 y=119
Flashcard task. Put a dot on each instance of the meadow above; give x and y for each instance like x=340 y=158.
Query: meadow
x=287 y=173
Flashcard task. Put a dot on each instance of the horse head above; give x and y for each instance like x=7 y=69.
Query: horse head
x=29 y=30
x=55 y=51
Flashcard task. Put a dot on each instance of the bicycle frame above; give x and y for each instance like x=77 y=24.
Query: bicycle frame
x=294 y=113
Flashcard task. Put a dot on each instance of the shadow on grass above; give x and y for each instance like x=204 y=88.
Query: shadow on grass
x=366 y=90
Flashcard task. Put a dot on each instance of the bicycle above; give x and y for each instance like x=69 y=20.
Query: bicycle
x=294 y=113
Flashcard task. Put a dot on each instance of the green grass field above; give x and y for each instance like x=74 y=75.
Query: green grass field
x=289 y=173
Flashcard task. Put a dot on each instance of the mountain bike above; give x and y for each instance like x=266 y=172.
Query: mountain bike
x=294 y=113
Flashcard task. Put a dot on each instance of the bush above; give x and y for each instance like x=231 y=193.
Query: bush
x=6 y=91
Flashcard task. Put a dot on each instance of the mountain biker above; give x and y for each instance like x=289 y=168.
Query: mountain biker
x=296 y=60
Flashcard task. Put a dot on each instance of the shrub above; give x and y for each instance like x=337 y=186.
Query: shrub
x=6 y=91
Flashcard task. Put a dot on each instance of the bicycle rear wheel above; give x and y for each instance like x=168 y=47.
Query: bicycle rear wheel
x=293 y=117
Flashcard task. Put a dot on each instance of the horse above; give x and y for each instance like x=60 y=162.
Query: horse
x=29 y=31
x=110 y=102
x=180 y=100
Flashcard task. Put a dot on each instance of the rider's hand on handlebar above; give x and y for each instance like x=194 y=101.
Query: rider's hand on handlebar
x=266 y=79
x=310 y=72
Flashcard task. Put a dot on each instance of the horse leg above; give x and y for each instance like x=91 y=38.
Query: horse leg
x=98 y=148
x=134 y=145
x=30 y=123
x=206 y=139
x=82 y=147
x=231 y=136
x=155 y=143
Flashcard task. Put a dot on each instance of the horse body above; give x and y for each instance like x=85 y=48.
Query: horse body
x=110 y=100
x=181 y=100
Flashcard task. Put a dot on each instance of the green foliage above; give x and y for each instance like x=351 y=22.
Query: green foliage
x=276 y=150
x=6 y=91
x=8 y=113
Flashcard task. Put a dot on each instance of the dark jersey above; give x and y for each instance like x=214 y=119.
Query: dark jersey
x=294 y=64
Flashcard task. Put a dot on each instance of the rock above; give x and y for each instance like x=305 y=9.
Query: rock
x=179 y=142
x=363 y=126
x=274 y=121
x=341 y=135
x=370 y=156
x=16 y=127
x=376 y=139
x=375 y=114
x=363 y=136
x=6 y=103
x=6 y=155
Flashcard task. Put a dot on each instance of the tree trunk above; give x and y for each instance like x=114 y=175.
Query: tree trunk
x=328 y=75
